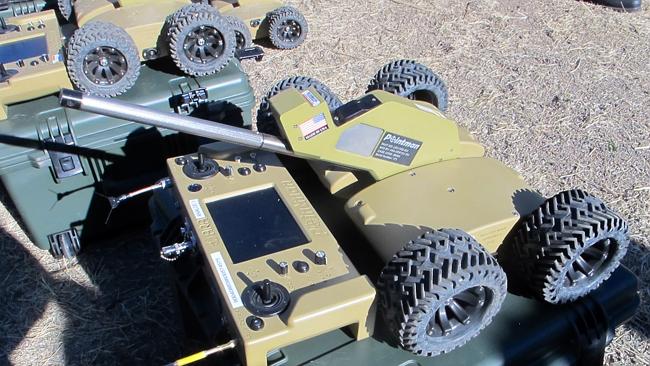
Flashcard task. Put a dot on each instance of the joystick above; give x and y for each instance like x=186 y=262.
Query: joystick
x=200 y=162
x=7 y=28
x=265 y=298
x=267 y=295
x=6 y=74
x=201 y=167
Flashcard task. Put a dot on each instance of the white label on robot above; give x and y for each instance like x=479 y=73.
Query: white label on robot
x=430 y=110
x=313 y=127
x=311 y=98
x=231 y=291
x=196 y=209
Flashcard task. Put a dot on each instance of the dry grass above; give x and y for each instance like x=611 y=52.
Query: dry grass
x=556 y=89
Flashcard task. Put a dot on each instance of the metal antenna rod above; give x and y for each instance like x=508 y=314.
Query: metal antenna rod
x=190 y=125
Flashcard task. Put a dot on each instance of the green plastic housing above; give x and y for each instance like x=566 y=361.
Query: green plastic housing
x=524 y=332
x=114 y=156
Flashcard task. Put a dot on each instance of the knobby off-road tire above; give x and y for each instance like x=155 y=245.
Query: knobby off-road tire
x=287 y=27
x=567 y=247
x=189 y=9
x=102 y=59
x=265 y=121
x=412 y=80
x=440 y=291
x=243 y=36
x=65 y=8
x=201 y=42
x=184 y=11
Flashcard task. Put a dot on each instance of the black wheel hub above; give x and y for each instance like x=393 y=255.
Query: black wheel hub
x=590 y=263
x=240 y=39
x=290 y=30
x=459 y=312
x=105 y=66
x=203 y=44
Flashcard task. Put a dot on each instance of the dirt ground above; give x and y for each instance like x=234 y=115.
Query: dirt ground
x=558 y=90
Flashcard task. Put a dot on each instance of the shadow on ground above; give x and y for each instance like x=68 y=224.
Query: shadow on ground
x=115 y=306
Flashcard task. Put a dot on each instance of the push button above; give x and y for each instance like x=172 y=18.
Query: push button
x=301 y=266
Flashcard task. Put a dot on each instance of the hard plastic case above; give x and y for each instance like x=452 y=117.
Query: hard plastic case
x=524 y=332
x=58 y=164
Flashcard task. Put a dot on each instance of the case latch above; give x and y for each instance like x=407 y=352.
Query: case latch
x=184 y=103
x=64 y=163
x=64 y=244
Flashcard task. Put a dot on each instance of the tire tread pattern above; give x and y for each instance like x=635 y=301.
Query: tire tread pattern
x=192 y=15
x=426 y=272
x=65 y=8
x=186 y=10
x=239 y=27
x=91 y=35
x=275 y=19
x=547 y=240
x=403 y=77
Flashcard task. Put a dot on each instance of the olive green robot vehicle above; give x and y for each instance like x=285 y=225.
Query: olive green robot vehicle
x=104 y=55
x=448 y=222
x=284 y=26
x=32 y=62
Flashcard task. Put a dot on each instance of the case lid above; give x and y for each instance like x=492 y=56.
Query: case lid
x=25 y=135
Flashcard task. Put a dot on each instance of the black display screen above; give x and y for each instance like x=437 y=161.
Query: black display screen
x=255 y=224
x=26 y=48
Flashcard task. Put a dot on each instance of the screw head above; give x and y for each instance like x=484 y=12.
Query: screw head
x=226 y=171
x=320 y=257
x=284 y=267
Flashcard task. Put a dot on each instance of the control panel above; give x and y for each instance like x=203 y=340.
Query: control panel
x=31 y=58
x=280 y=274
